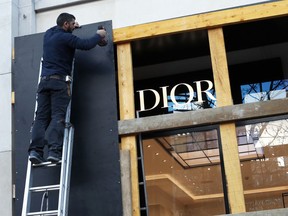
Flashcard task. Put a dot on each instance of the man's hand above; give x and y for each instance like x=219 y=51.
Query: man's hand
x=76 y=25
x=102 y=33
x=104 y=41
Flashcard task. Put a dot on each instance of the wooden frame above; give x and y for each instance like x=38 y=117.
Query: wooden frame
x=127 y=111
x=201 y=21
x=226 y=114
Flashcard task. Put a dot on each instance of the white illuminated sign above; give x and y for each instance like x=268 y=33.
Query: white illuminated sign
x=164 y=95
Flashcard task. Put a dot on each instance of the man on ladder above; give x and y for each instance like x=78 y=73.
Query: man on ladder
x=54 y=93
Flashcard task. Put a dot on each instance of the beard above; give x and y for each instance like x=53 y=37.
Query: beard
x=70 y=30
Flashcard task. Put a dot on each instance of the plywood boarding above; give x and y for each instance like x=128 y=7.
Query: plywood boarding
x=95 y=175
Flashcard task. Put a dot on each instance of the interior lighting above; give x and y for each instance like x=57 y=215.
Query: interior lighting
x=192 y=149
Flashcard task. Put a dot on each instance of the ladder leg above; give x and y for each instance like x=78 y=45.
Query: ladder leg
x=66 y=166
x=63 y=173
x=28 y=183
x=68 y=173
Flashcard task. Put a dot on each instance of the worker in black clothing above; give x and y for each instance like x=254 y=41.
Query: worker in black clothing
x=53 y=94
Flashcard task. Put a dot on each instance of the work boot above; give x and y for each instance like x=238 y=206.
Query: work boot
x=54 y=157
x=35 y=157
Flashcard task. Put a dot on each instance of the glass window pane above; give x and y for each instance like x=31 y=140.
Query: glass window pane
x=183 y=175
x=173 y=73
x=264 y=164
x=257 y=61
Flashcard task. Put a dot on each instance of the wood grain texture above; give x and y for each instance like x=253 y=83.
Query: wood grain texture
x=202 y=21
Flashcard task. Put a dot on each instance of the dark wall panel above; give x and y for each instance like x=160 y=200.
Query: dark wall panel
x=95 y=177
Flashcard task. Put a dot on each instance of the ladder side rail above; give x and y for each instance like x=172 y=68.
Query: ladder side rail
x=65 y=151
x=27 y=193
x=29 y=178
x=63 y=167
x=68 y=174
x=39 y=79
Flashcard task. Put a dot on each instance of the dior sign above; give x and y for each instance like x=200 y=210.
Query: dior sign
x=163 y=95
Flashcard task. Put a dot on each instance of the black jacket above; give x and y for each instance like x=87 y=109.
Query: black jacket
x=59 y=49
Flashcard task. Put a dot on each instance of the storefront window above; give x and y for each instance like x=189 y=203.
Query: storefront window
x=173 y=74
x=257 y=61
x=183 y=174
x=265 y=176
x=184 y=169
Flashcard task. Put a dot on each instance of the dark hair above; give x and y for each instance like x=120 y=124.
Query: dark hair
x=64 y=17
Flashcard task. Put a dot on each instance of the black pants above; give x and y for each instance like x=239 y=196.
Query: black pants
x=53 y=97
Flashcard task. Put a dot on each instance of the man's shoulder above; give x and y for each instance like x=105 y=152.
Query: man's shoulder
x=58 y=33
x=55 y=29
x=52 y=29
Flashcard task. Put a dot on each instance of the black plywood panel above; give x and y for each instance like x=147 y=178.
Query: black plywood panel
x=95 y=177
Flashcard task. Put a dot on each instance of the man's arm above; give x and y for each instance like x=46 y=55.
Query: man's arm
x=86 y=44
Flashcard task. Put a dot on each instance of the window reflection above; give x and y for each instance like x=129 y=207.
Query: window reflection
x=263 y=91
x=182 y=105
x=265 y=178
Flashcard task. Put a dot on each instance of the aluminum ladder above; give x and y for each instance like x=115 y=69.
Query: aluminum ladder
x=64 y=179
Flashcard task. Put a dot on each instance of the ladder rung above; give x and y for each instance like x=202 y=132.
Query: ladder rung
x=47 y=164
x=45 y=188
x=53 y=212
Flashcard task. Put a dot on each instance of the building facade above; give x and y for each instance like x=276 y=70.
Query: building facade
x=202 y=99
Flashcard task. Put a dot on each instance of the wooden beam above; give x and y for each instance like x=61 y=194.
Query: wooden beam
x=204 y=117
x=220 y=67
x=125 y=81
x=232 y=168
x=227 y=130
x=202 y=21
x=127 y=111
